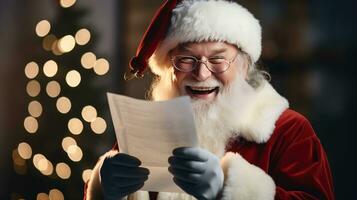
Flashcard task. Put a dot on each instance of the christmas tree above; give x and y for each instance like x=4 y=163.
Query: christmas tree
x=54 y=158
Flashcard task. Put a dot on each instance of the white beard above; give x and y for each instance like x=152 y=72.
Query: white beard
x=216 y=121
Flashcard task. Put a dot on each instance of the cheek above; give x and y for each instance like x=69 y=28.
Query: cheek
x=179 y=77
x=227 y=77
x=230 y=75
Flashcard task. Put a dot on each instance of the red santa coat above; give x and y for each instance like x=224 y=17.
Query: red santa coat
x=293 y=157
x=277 y=156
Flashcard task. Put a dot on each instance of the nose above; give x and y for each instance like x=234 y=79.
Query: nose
x=202 y=73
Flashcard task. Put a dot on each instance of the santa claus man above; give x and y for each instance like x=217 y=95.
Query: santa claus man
x=251 y=145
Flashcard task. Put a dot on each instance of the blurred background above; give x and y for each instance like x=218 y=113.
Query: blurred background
x=59 y=58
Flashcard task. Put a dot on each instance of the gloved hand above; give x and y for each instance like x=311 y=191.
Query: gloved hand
x=121 y=176
x=197 y=172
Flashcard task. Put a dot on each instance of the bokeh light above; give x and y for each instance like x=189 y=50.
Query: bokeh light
x=63 y=170
x=86 y=175
x=55 y=49
x=30 y=124
x=18 y=160
x=56 y=194
x=89 y=113
x=35 y=108
x=20 y=169
x=43 y=164
x=75 y=126
x=48 y=41
x=50 y=68
x=16 y=196
x=49 y=169
x=98 y=125
x=53 y=89
x=36 y=159
x=75 y=153
x=101 y=66
x=63 y=105
x=82 y=36
x=67 y=3
x=42 y=196
x=73 y=78
x=25 y=150
x=88 y=60
x=19 y=163
x=43 y=27
x=66 y=43
x=33 y=88
x=31 y=70
x=67 y=142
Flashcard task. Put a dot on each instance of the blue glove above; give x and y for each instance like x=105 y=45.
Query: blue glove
x=197 y=171
x=121 y=176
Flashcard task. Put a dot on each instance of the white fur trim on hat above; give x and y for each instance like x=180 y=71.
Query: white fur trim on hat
x=209 y=20
x=245 y=181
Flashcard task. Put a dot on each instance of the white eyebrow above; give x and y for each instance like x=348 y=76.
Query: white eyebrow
x=188 y=49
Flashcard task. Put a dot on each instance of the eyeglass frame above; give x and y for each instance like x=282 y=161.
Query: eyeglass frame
x=205 y=62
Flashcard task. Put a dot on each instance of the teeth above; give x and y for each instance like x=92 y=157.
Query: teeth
x=202 y=88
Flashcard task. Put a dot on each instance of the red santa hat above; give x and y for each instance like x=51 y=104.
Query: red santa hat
x=181 y=21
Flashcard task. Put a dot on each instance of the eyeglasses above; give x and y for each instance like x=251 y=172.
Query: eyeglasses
x=189 y=63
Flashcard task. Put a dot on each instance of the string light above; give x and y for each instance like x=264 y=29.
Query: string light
x=35 y=108
x=67 y=142
x=30 y=124
x=82 y=36
x=75 y=126
x=55 y=49
x=36 y=158
x=53 y=89
x=75 y=153
x=40 y=162
x=33 y=88
x=73 y=78
x=89 y=113
x=48 y=41
x=86 y=175
x=67 y=3
x=19 y=162
x=50 y=68
x=15 y=196
x=43 y=28
x=48 y=170
x=88 y=60
x=43 y=164
x=24 y=150
x=31 y=70
x=63 y=105
x=101 y=66
x=42 y=196
x=66 y=43
x=56 y=194
x=63 y=170
x=99 y=125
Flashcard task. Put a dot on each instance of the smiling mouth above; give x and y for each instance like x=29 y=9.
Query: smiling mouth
x=201 y=90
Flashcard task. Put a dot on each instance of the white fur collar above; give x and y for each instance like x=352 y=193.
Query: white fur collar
x=262 y=108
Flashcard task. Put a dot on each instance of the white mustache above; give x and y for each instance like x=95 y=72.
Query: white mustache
x=207 y=83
